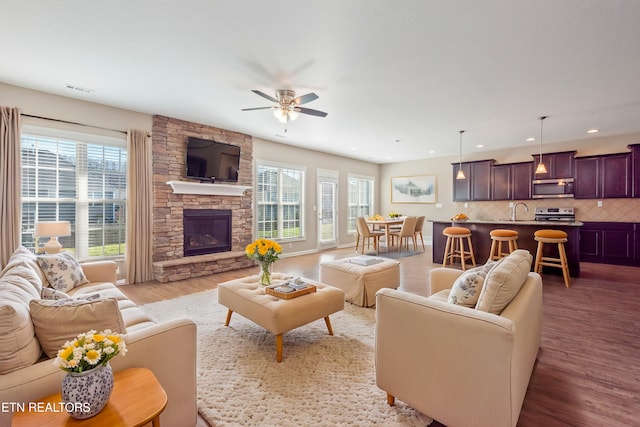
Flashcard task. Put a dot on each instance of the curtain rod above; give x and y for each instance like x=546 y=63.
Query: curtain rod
x=75 y=123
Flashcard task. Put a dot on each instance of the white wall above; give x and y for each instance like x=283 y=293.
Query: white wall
x=42 y=104
x=314 y=160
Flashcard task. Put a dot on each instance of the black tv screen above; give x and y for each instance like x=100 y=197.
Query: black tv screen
x=213 y=161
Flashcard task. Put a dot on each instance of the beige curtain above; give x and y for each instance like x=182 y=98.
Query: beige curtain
x=139 y=249
x=10 y=182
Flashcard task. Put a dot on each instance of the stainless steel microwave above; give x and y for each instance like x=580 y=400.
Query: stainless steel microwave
x=552 y=188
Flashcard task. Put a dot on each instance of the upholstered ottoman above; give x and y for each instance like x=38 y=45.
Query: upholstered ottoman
x=361 y=282
x=248 y=298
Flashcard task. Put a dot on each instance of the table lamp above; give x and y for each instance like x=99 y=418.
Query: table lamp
x=53 y=230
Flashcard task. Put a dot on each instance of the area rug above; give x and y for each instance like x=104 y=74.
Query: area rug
x=323 y=380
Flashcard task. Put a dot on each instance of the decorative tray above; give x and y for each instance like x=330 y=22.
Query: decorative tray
x=286 y=291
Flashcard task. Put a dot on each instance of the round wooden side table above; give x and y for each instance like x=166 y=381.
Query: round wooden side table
x=137 y=399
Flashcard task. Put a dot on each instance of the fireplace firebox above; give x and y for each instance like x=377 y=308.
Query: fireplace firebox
x=206 y=231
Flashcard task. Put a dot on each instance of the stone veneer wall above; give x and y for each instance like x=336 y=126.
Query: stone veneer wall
x=169 y=151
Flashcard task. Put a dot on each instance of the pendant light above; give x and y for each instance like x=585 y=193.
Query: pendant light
x=460 y=174
x=541 y=167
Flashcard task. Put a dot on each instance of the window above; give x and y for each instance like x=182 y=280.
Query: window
x=77 y=178
x=280 y=198
x=360 y=200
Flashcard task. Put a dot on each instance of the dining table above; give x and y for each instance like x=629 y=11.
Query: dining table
x=386 y=223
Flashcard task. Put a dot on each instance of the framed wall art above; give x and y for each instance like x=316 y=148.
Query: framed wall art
x=414 y=189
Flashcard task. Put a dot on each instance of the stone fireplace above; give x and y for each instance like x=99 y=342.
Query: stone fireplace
x=206 y=231
x=172 y=260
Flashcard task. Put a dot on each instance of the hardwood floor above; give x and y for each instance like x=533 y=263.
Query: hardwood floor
x=588 y=368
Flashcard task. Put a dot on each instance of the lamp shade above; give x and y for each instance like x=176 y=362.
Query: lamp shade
x=53 y=229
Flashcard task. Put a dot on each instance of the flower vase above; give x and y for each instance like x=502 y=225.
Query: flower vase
x=265 y=273
x=86 y=393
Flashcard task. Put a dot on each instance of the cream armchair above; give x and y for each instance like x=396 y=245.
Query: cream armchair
x=458 y=365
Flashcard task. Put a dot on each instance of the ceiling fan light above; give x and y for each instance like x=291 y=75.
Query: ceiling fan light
x=293 y=115
x=280 y=114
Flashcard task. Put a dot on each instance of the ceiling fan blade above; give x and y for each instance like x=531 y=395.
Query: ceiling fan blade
x=264 y=95
x=257 y=108
x=311 y=112
x=305 y=98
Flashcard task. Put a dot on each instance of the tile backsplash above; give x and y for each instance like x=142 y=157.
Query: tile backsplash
x=612 y=210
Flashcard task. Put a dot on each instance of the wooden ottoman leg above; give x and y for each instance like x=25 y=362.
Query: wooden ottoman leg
x=391 y=400
x=229 y=313
x=328 y=322
x=279 y=348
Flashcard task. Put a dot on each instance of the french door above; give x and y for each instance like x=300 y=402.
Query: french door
x=327 y=209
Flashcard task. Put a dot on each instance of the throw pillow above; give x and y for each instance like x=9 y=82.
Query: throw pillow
x=57 y=322
x=466 y=289
x=54 y=294
x=63 y=272
x=503 y=282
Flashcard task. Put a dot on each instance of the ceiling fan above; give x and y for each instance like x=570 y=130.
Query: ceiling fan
x=288 y=105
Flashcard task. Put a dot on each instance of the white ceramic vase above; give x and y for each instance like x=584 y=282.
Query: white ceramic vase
x=86 y=393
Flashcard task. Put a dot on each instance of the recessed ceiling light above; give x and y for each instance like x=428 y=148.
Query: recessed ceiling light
x=432 y=151
x=354 y=148
x=593 y=131
x=530 y=139
x=479 y=146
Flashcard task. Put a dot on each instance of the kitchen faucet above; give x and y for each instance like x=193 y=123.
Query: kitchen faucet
x=513 y=209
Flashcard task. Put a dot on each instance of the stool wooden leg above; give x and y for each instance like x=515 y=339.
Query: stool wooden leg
x=357 y=241
x=473 y=257
x=461 y=245
x=492 y=253
x=565 y=265
x=538 y=266
x=446 y=252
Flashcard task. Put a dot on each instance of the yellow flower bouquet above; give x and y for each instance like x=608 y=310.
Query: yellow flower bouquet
x=90 y=350
x=266 y=252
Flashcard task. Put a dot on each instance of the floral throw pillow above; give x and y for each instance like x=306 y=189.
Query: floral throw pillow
x=466 y=289
x=53 y=294
x=62 y=271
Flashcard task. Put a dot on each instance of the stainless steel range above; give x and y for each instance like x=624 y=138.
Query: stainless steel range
x=555 y=214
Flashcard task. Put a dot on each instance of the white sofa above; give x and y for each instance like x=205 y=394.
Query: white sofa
x=458 y=365
x=168 y=349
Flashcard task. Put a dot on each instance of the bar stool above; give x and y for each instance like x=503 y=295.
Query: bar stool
x=499 y=236
x=454 y=248
x=558 y=237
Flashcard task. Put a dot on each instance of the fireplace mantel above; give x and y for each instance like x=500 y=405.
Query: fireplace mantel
x=186 y=187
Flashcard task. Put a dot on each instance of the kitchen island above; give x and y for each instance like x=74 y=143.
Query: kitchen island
x=480 y=230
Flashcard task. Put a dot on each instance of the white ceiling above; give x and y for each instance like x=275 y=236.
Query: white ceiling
x=398 y=78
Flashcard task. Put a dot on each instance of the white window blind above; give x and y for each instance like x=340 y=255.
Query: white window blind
x=279 y=199
x=360 y=200
x=80 y=179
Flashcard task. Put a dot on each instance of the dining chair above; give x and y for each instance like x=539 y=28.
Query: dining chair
x=367 y=234
x=418 y=231
x=406 y=232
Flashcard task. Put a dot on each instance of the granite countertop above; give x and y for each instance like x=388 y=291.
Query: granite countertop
x=507 y=221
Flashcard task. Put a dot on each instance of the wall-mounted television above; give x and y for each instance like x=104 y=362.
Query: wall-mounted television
x=212 y=161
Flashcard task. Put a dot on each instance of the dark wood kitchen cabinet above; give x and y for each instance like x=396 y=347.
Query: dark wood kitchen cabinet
x=511 y=181
x=607 y=176
x=609 y=242
x=635 y=169
x=477 y=183
x=559 y=165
